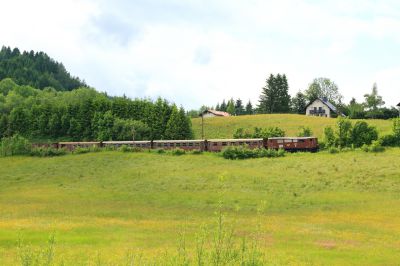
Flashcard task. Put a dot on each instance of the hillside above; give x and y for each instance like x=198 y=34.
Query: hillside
x=224 y=127
x=36 y=69
x=326 y=209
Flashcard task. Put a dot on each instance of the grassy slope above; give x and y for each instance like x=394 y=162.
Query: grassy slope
x=320 y=208
x=224 y=127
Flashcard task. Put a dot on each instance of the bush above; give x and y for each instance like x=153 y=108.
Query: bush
x=362 y=134
x=126 y=148
x=47 y=152
x=196 y=152
x=178 y=152
x=80 y=150
x=234 y=152
x=305 y=132
x=389 y=141
x=333 y=150
x=374 y=147
x=15 y=145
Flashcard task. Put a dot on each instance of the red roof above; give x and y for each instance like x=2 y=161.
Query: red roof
x=217 y=113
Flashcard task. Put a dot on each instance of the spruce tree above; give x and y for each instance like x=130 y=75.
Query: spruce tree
x=249 y=108
x=231 y=107
x=223 y=106
x=239 y=109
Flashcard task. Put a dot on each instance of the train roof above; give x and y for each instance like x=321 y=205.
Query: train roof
x=126 y=142
x=79 y=142
x=233 y=140
x=291 y=138
x=178 y=141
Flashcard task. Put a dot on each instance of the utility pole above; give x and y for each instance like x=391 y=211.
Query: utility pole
x=202 y=126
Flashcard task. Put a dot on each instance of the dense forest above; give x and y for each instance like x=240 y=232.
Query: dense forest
x=36 y=69
x=85 y=114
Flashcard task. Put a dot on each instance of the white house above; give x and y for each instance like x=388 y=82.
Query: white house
x=321 y=107
x=214 y=113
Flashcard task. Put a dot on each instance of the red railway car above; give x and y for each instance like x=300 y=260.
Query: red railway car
x=186 y=145
x=145 y=144
x=70 y=146
x=293 y=143
x=216 y=145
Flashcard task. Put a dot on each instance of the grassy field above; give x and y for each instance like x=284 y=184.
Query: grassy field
x=303 y=209
x=224 y=127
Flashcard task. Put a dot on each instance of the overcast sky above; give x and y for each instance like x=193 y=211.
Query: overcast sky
x=196 y=52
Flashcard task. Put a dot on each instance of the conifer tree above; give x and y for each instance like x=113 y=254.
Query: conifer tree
x=231 y=107
x=249 y=108
x=239 y=109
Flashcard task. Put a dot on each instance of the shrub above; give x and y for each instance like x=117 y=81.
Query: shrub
x=126 y=148
x=330 y=138
x=333 y=150
x=234 y=152
x=196 y=152
x=15 y=145
x=305 y=132
x=178 y=152
x=389 y=141
x=47 y=152
x=80 y=150
x=344 y=128
x=374 y=147
x=362 y=134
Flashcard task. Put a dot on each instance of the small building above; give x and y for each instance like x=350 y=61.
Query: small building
x=214 y=113
x=321 y=107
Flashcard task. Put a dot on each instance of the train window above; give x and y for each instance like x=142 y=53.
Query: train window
x=224 y=143
x=280 y=140
x=241 y=143
x=215 y=144
x=178 y=144
x=165 y=144
x=190 y=144
x=295 y=140
x=288 y=140
x=197 y=144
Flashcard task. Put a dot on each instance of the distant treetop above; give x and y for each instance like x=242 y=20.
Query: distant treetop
x=36 y=69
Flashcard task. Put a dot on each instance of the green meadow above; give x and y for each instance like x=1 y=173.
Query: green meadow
x=224 y=127
x=302 y=209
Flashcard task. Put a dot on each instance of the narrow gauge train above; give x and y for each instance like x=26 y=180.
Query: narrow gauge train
x=290 y=144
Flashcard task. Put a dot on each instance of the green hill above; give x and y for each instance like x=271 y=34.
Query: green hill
x=303 y=209
x=36 y=69
x=224 y=127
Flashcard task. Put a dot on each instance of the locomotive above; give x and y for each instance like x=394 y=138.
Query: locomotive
x=290 y=144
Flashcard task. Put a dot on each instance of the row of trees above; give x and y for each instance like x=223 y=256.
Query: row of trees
x=275 y=98
x=36 y=69
x=85 y=114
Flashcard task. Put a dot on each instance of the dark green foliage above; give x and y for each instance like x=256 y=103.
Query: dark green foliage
x=299 y=103
x=36 y=69
x=275 y=96
x=47 y=152
x=178 y=152
x=235 y=152
x=393 y=140
x=347 y=135
x=258 y=132
x=362 y=134
x=84 y=114
x=249 y=108
x=239 y=109
x=15 y=145
x=179 y=125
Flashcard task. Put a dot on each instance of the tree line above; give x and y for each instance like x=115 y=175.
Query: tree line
x=36 y=69
x=275 y=98
x=85 y=114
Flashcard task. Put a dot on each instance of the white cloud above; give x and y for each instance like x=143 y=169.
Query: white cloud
x=199 y=52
